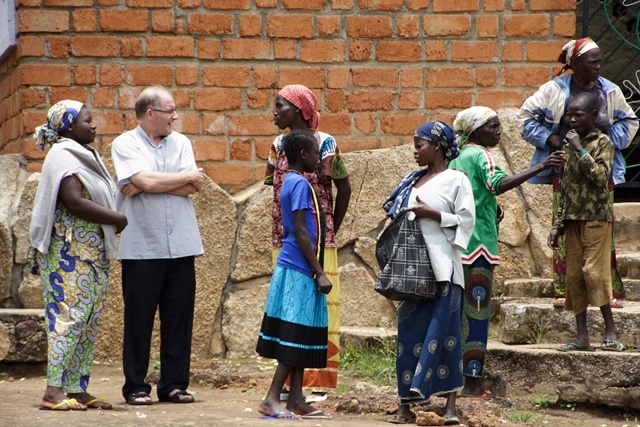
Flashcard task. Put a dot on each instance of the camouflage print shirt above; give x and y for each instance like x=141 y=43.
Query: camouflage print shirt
x=584 y=195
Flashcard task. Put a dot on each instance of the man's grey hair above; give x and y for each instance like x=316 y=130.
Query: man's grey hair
x=149 y=98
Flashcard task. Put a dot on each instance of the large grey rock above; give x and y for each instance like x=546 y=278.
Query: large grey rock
x=242 y=317
x=360 y=305
x=6 y=264
x=254 y=247
x=627 y=227
x=628 y=264
x=30 y=291
x=22 y=336
x=22 y=218
x=365 y=248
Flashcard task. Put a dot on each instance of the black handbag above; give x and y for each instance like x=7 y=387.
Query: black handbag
x=406 y=272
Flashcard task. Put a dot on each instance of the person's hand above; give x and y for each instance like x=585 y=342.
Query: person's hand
x=197 y=178
x=554 y=140
x=552 y=241
x=324 y=285
x=499 y=214
x=555 y=160
x=130 y=190
x=122 y=223
x=422 y=210
x=574 y=140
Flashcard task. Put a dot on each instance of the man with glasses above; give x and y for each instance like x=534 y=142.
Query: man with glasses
x=156 y=172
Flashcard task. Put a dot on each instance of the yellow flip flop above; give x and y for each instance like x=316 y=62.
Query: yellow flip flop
x=90 y=404
x=65 y=405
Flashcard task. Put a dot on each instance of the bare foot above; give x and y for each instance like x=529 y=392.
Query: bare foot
x=55 y=398
x=90 y=401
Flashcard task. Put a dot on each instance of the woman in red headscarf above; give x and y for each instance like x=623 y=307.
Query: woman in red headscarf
x=545 y=123
x=296 y=109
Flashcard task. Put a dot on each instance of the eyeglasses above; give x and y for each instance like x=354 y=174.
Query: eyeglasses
x=163 y=111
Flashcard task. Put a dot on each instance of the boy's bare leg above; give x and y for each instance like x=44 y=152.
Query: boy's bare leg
x=610 y=330
x=583 y=336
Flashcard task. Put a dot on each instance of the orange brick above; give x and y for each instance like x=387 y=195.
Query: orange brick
x=525 y=76
x=146 y=75
x=222 y=76
x=186 y=75
x=84 y=74
x=370 y=100
x=338 y=77
x=401 y=51
x=171 y=46
x=188 y=123
x=481 y=51
x=188 y=4
x=251 y=124
x=250 y=25
x=407 y=26
x=78 y=93
x=32 y=98
x=499 y=98
x=97 y=46
x=263 y=146
x=564 y=25
x=108 y=3
x=447 y=118
x=230 y=173
x=209 y=49
x=103 y=97
x=512 y=51
x=284 y=49
x=124 y=20
x=487 y=25
x=335 y=100
x=366 y=122
x=247 y=49
x=446 y=25
x=310 y=77
x=290 y=26
x=111 y=75
x=544 y=51
x=328 y=25
x=267 y=3
x=369 y=27
x=436 y=50
x=151 y=3
x=213 y=124
x=349 y=145
x=210 y=23
x=411 y=77
x=259 y=99
x=131 y=47
x=227 y=4
x=31 y=46
x=58 y=46
x=336 y=124
x=320 y=51
x=517 y=5
x=493 y=5
x=400 y=123
x=380 y=4
x=29 y=3
x=217 y=99
x=42 y=21
x=182 y=98
x=304 y=4
x=409 y=100
x=45 y=74
x=85 y=20
x=162 y=21
x=32 y=119
x=209 y=149
x=108 y=122
x=438 y=98
x=486 y=77
x=342 y=4
x=527 y=25
x=417 y=4
x=440 y=77
x=374 y=77
x=455 y=6
x=264 y=77
x=359 y=50
x=552 y=5
x=241 y=149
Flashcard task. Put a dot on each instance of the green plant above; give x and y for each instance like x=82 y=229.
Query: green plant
x=540 y=402
x=539 y=329
x=375 y=360
x=156 y=362
x=524 y=417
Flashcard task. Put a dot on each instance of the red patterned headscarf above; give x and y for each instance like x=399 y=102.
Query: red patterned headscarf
x=572 y=50
x=303 y=98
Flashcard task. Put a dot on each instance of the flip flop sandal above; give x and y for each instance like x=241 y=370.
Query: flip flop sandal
x=174 y=397
x=400 y=419
x=559 y=302
x=612 y=345
x=451 y=420
x=65 y=405
x=98 y=403
x=573 y=346
x=132 y=399
x=616 y=303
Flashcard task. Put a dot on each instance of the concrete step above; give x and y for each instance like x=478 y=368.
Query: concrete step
x=22 y=335
x=600 y=377
x=362 y=336
x=628 y=264
x=524 y=322
x=627 y=226
x=538 y=287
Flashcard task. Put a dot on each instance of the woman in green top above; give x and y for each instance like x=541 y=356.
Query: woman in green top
x=478 y=129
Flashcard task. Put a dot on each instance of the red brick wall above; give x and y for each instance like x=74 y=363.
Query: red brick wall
x=379 y=67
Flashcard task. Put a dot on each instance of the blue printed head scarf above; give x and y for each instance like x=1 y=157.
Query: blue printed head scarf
x=59 y=118
x=441 y=133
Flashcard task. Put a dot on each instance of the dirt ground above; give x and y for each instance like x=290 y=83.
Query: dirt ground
x=227 y=393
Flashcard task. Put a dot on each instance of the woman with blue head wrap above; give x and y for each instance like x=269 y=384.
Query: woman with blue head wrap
x=429 y=356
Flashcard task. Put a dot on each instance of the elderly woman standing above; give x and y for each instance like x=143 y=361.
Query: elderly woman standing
x=478 y=129
x=545 y=124
x=429 y=347
x=73 y=234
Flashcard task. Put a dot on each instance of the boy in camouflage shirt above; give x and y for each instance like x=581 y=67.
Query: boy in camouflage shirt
x=584 y=217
